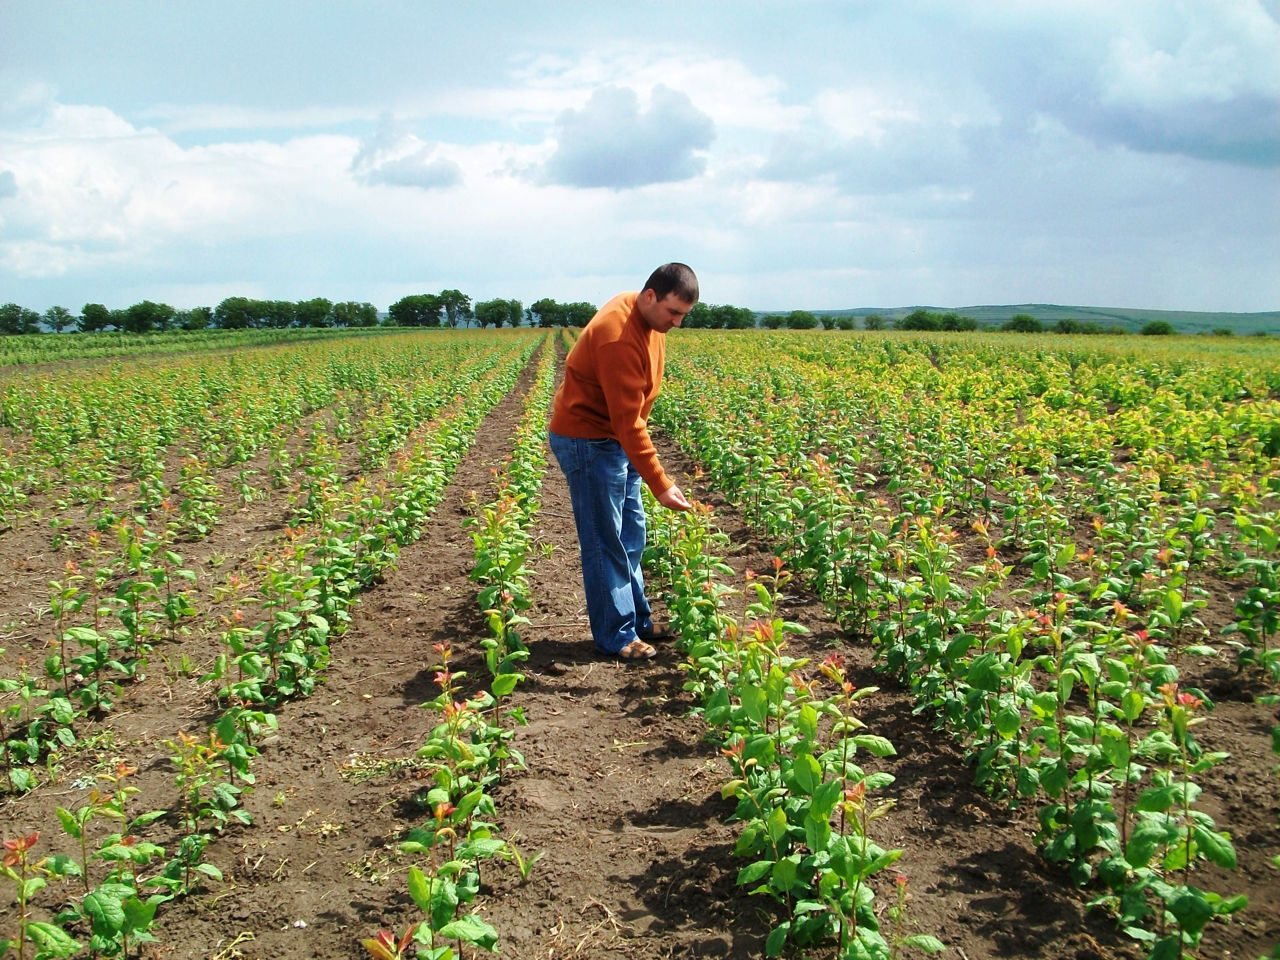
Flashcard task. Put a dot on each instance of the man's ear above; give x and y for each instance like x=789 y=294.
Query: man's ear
x=648 y=296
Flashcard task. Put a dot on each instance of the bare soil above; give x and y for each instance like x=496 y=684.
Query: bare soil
x=620 y=794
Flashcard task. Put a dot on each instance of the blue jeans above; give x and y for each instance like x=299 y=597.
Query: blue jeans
x=605 y=491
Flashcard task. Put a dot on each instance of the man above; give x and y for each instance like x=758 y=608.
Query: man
x=599 y=433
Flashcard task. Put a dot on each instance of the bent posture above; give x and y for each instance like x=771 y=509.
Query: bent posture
x=599 y=433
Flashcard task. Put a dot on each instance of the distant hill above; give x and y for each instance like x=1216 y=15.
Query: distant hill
x=1182 y=321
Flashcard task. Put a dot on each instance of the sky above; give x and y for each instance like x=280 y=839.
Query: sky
x=808 y=154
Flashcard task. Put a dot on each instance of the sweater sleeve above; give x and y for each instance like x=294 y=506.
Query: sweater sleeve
x=624 y=389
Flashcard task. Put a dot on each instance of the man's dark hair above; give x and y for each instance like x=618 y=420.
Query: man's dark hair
x=677 y=278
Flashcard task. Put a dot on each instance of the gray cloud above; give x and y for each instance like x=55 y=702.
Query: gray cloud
x=1243 y=130
x=612 y=143
x=8 y=184
x=908 y=157
x=1203 y=83
x=390 y=157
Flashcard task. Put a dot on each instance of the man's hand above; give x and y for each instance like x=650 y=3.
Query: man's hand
x=673 y=499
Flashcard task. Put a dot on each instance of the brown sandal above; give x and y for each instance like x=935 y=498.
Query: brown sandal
x=659 y=632
x=637 y=650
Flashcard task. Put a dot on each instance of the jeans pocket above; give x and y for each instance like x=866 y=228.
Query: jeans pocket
x=565 y=450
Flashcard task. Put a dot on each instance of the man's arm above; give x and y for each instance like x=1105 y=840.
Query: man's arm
x=624 y=393
x=623 y=381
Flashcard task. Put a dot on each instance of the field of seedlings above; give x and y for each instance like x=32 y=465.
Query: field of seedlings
x=978 y=654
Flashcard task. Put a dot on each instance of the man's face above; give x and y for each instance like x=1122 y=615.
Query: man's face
x=662 y=315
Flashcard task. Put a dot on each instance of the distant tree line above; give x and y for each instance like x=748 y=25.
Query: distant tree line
x=453 y=308
x=448 y=308
x=243 y=313
x=707 y=316
x=233 y=313
x=1025 y=323
x=549 y=313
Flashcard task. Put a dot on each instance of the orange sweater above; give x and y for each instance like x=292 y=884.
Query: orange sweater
x=611 y=377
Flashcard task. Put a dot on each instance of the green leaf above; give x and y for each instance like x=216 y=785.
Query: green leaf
x=755 y=704
x=138 y=914
x=1143 y=841
x=146 y=818
x=925 y=942
x=817 y=832
x=105 y=910
x=776 y=824
x=878 y=780
x=1044 y=704
x=470 y=929
x=1166 y=948
x=1157 y=799
x=1054 y=779
x=880 y=861
x=444 y=901
x=467 y=804
x=1215 y=846
x=50 y=938
x=754 y=872
x=807 y=773
x=749 y=840
x=1008 y=722
x=960 y=646
x=875 y=745
x=982 y=674
x=69 y=825
x=807 y=722
x=61 y=865
x=419 y=889
x=505 y=683
x=824 y=799
x=777 y=939
x=1232 y=905
x=482 y=847
x=784 y=874
x=1178 y=856
x=1192 y=911
x=1028 y=782
x=717 y=709
x=1132 y=704
x=1116 y=750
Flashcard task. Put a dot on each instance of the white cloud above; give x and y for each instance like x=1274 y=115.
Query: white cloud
x=1213 y=53
x=96 y=190
x=612 y=142
x=393 y=158
x=38 y=259
x=727 y=90
x=863 y=112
